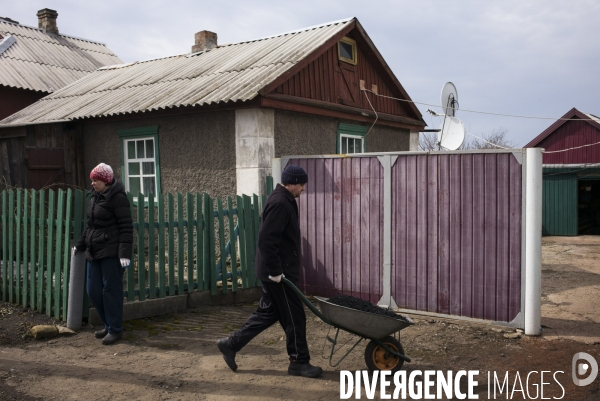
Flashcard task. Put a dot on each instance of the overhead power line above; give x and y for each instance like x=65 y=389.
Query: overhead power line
x=483 y=112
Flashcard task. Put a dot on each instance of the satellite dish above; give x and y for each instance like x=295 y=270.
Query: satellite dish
x=452 y=133
x=449 y=99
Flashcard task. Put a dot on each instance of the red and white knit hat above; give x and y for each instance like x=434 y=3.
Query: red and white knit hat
x=102 y=172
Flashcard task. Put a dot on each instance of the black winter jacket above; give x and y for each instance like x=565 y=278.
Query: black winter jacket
x=109 y=229
x=279 y=239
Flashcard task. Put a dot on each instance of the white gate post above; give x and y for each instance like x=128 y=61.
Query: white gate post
x=276 y=171
x=533 y=241
x=386 y=300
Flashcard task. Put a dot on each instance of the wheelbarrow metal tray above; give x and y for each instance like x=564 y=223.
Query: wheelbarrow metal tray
x=369 y=325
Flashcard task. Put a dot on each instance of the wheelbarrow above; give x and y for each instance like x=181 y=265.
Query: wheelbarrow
x=383 y=352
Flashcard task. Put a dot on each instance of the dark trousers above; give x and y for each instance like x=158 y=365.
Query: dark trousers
x=278 y=304
x=105 y=289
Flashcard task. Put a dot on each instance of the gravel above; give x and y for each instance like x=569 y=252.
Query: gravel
x=361 y=305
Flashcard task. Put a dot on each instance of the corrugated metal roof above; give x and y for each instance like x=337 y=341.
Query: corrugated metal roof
x=228 y=73
x=44 y=62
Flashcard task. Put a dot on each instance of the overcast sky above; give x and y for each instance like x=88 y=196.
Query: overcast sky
x=520 y=57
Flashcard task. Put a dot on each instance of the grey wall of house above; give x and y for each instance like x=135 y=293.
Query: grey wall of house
x=197 y=151
x=304 y=134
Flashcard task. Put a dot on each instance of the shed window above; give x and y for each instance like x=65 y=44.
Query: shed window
x=140 y=162
x=351 y=139
x=347 y=50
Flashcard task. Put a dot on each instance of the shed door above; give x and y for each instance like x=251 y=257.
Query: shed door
x=45 y=167
x=559 y=208
x=347 y=84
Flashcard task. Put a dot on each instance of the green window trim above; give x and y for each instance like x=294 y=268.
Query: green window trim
x=133 y=133
x=352 y=131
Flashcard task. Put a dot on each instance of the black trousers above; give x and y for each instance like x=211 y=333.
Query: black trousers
x=278 y=304
x=105 y=289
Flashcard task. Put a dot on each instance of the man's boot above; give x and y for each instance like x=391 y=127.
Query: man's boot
x=304 y=370
x=228 y=353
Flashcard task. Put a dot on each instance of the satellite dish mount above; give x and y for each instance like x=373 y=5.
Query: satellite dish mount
x=452 y=132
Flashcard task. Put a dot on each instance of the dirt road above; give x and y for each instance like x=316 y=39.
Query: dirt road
x=174 y=357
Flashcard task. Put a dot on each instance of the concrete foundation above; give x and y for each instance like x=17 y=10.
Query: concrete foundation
x=179 y=303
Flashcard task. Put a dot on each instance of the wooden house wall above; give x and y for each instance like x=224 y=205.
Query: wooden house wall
x=572 y=134
x=41 y=156
x=321 y=80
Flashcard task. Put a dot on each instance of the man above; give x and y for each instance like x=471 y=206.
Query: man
x=277 y=256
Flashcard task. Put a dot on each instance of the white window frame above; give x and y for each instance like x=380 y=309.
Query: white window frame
x=354 y=137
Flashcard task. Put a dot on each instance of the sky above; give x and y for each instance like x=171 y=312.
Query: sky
x=534 y=58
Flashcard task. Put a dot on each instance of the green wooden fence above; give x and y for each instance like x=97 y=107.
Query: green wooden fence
x=182 y=243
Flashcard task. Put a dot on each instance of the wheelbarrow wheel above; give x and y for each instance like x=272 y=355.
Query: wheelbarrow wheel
x=377 y=358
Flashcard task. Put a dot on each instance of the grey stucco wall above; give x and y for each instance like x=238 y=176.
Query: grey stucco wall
x=304 y=134
x=197 y=151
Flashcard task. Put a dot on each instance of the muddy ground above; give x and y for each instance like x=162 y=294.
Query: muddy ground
x=174 y=357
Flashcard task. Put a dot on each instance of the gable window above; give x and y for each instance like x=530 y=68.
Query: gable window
x=140 y=162
x=351 y=139
x=347 y=50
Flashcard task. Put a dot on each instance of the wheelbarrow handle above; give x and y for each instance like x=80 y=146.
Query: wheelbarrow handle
x=306 y=301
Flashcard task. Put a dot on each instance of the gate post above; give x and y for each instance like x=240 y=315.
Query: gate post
x=386 y=300
x=533 y=241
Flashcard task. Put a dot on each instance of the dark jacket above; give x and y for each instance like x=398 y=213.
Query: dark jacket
x=109 y=229
x=279 y=240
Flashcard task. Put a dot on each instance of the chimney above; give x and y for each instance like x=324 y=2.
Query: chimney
x=47 y=21
x=205 y=40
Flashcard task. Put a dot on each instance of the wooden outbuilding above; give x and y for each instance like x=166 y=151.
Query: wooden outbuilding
x=571 y=174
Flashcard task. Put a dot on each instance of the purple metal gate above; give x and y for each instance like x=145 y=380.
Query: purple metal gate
x=340 y=218
x=456 y=231
x=456 y=234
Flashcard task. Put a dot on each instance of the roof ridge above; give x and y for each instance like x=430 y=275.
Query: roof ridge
x=60 y=34
x=249 y=41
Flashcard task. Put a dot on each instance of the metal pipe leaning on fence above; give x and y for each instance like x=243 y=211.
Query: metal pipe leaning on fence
x=76 y=283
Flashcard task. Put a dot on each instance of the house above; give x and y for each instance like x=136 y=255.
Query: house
x=33 y=63
x=213 y=119
x=571 y=174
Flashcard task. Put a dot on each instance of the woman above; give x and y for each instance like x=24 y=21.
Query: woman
x=107 y=241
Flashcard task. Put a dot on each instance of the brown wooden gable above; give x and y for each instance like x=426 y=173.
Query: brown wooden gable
x=327 y=79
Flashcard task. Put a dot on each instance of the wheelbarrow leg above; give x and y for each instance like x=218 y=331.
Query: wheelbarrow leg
x=333 y=342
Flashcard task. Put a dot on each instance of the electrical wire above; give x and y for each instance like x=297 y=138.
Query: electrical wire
x=491 y=143
x=576 y=147
x=484 y=112
x=376 y=115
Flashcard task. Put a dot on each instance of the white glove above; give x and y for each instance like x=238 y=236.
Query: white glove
x=74 y=250
x=276 y=279
x=125 y=263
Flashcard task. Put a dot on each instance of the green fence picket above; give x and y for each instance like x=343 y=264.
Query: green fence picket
x=151 y=267
x=11 y=242
x=4 y=245
x=189 y=210
x=223 y=257
x=199 y=243
x=18 y=227
x=25 y=249
x=211 y=248
x=49 y=247
x=32 y=248
x=207 y=228
x=171 y=244
x=130 y=269
x=180 y=231
x=141 y=263
x=242 y=237
x=161 y=247
x=232 y=243
x=249 y=229
x=57 y=261
x=41 y=251
x=66 y=254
